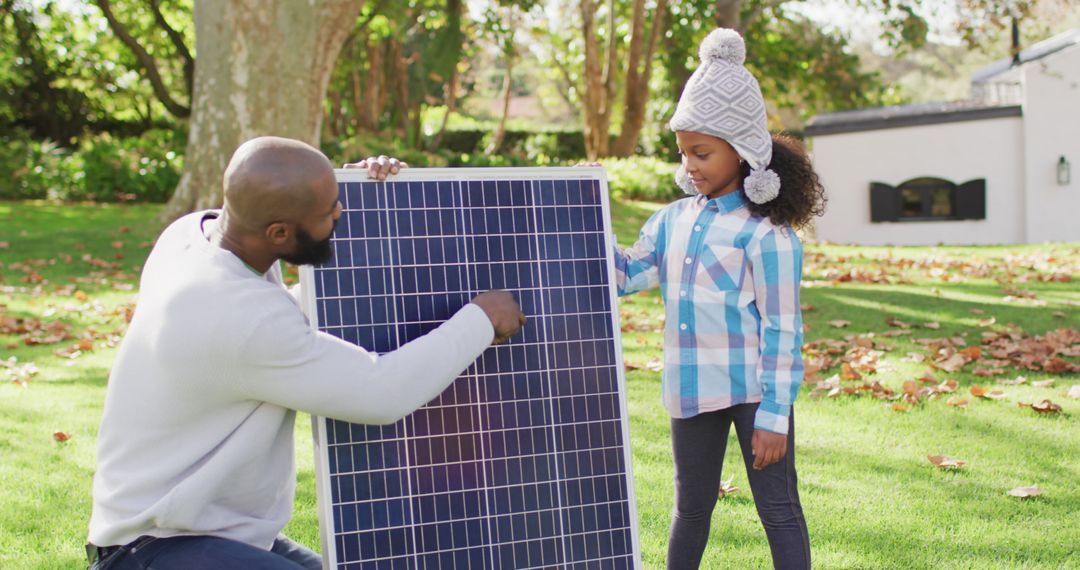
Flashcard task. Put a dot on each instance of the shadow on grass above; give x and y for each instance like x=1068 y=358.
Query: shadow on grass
x=870 y=305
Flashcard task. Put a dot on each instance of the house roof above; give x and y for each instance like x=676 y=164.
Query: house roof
x=906 y=116
x=940 y=112
x=1035 y=52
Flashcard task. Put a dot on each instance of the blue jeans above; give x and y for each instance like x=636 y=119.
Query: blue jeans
x=208 y=553
x=699 y=443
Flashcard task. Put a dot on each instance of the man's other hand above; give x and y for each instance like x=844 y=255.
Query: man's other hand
x=504 y=312
x=380 y=167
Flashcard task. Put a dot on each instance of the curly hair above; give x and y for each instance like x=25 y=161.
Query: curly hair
x=801 y=194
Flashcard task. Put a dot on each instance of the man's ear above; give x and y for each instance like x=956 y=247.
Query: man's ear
x=279 y=233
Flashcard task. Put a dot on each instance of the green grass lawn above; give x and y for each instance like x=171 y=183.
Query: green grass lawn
x=872 y=498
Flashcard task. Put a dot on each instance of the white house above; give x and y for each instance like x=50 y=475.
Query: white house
x=997 y=168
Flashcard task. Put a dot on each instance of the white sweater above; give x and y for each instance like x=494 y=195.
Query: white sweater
x=197 y=433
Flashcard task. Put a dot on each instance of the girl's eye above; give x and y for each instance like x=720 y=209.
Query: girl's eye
x=701 y=156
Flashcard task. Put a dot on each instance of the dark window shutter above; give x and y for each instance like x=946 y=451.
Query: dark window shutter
x=884 y=203
x=970 y=200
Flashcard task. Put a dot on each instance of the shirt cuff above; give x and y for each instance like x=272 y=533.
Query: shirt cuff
x=473 y=318
x=773 y=417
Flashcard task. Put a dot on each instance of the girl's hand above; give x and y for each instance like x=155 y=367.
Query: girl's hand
x=768 y=448
x=380 y=167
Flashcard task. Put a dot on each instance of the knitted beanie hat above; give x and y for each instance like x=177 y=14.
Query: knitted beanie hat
x=724 y=100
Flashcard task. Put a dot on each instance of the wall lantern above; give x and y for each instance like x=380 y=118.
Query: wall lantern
x=1063 y=171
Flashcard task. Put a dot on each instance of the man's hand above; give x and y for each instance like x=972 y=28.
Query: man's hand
x=504 y=312
x=768 y=448
x=380 y=167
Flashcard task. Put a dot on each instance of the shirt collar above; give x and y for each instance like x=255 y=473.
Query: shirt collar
x=726 y=203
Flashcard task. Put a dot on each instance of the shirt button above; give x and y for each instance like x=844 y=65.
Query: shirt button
x=682 y=293
x=683 y=326
x=697 y=228
x=688 y=261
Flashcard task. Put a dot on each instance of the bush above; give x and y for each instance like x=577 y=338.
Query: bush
x=536 y=147
x=102 y=168
x=366 y=144
x=641 y=178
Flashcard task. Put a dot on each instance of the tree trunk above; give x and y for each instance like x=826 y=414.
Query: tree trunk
x=401 y=80
x=369 y=101
x=262 y=69
x=451 y=105
x=637 y=80
x=454 y=9
x=727 y=14
x=508 y=83
x=596 y=86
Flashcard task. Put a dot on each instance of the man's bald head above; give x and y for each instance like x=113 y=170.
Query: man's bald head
x=273 y=179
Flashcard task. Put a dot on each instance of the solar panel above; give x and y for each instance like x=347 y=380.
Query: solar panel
x=524 y=461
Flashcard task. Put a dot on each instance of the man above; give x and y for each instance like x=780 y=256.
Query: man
x=195 y=452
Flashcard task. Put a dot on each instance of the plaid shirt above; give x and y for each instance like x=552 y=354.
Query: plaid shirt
x=730 y=283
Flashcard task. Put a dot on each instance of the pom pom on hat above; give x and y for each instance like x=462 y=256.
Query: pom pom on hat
x=723 y=44
x=682 y=180
x=762 y=186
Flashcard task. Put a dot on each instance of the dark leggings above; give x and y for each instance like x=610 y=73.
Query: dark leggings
x=699 y=443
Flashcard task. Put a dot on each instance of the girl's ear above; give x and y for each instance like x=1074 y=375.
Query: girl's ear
x=278 y=233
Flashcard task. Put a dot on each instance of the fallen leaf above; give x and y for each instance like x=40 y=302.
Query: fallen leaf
x=1014 y=382
x=1074 y=392
x=895 y=322
x=847 y=372
x=726 y=488
x=971 y=353
x=952 y=364
x=1025 y=492
x=928 y=378
x=807 y=307
x=986 y=322
x=932 y=325
x=117 y=244
x=946 y=462
x=899 y=407
x=61 y=435
x=977 y=312
x=948 y=386
x=838 y=323
x=956 y=401
x=1046 y=407
x=5 y=244
x=1058 y=314
x=1043 y=383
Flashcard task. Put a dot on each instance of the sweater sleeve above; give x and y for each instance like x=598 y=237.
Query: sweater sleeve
x=637 y=268
x=286 y=363
x=776 y=265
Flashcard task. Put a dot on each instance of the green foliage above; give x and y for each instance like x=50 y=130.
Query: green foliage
x=62 y=73
x=641 y=178
x=102 y=168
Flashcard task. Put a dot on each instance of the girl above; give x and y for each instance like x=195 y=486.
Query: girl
x=728 y=264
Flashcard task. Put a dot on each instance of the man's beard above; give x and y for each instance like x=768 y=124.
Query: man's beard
x=310 y=252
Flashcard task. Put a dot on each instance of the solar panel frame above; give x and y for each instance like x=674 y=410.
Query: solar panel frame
x=321 y=426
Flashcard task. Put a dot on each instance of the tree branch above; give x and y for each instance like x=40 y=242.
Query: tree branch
x=178 y=42
x=145 y=61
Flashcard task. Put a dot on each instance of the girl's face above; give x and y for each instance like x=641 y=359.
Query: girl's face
x=713 y=165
